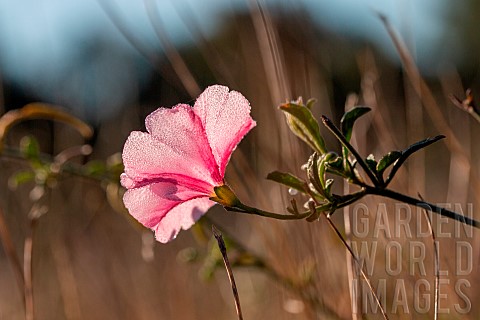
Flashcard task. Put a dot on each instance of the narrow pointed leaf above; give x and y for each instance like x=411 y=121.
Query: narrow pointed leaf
x=371 y=163
x=328 y=187
x=303 y=124
x=349 y=119
x=288 y=180
x=310 y=103
x=315 y=173
x=387 y=160
x=409 y=151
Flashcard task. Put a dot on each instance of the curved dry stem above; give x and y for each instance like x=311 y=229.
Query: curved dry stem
x=223 y=250
x=354 y=257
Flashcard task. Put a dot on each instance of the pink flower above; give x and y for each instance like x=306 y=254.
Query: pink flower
x=171 y=170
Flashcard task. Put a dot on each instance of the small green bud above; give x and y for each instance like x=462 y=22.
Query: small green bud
x=225 y=196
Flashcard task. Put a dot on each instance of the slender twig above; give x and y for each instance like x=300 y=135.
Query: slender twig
x=299 y=289
x=350 y=264
x=27 y=262
x=431 y=106
x=12 y=256
x=267 y=214
x=114 y=16
x=27 y=271
x=422 y=204
x=468 y=104
x=172 y=54
x=116 y=20
x=436 y=262
x=223 y=250
x=336 y=132
x=354 y=257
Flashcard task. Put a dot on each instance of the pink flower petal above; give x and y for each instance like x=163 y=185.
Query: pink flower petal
x=226 y=118
x=177 y=146
x=183 y=217
x=171 y=170
x=149 y=204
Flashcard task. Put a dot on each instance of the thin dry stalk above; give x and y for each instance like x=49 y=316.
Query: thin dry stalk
x=66 y=279
x=27 y=271
x=430 y=104
x=213 y=57
x=35 y=213
x=176 y=60
x=362 y=273
x=152 y=59
x=271 y=53
x=350 y=103
x=436 y=258
x=223 y=250
x=12 y=256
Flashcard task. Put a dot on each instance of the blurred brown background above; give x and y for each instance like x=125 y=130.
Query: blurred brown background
x=87 y=257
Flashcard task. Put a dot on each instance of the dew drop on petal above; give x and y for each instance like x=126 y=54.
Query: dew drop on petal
x=292 y=191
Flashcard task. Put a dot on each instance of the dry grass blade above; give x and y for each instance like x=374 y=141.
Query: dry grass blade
x=12 y=256
x=223 y=250
x=271 y=52
x=36 y=212
x=429 y=102
x=178 y=64
x=362 y=273
x=152 y=58
x=437 y=260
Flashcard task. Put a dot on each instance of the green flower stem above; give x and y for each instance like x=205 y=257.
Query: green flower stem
x=250 y=210
x=386 y=193
x=329 y=124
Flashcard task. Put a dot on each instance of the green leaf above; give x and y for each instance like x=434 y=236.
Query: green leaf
x=371 y=163
x=349 y=119
x=20 y=177
x=302 y=123
x=387 y=160
x=335 y=165
x=95 y=168
x=29 y=148
x=408 y=152
x=420 y=145
x=328 y=187
x=287 y=179
x=310 y=103
x=315 y=172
